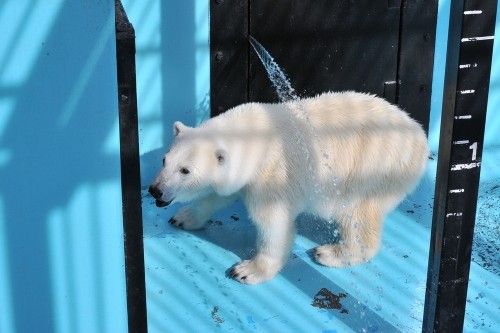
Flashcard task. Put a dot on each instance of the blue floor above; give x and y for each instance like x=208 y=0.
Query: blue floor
x=188 y=291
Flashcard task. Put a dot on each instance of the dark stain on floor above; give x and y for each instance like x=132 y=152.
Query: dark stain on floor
x=325 y=299
x=215 y=316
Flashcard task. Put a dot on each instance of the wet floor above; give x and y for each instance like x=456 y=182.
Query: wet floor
x=188 y=290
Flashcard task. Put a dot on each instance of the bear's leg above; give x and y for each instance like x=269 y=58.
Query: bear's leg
x=275 y=235
x=360 y=231
x=195 y=215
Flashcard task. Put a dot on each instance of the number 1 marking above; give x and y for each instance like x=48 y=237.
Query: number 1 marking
x=474 y=150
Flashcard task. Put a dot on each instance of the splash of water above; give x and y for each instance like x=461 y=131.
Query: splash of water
x=286 y=93
x=284 y=89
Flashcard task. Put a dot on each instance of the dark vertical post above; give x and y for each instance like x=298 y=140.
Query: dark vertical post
x=468 y=66
x=130 y=172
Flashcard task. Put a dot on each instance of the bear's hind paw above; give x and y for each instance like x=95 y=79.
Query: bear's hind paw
x=335 y=256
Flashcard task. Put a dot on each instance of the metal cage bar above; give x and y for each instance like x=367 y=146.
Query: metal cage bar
x=130 y=172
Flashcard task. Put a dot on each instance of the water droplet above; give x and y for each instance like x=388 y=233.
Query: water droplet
x=286 y=93
x=284 y=89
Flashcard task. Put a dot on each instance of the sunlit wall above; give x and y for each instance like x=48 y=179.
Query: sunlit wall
x=61 y=237
x=173 y=71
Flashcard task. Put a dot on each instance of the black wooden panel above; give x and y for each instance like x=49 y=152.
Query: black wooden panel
x=229 y=54
x=416 y=49
x=326 y=45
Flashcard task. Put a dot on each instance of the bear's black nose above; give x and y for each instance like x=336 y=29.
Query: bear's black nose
x=155 y=192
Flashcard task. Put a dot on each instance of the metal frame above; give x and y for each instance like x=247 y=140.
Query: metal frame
x=130 y=173
x=467 y=76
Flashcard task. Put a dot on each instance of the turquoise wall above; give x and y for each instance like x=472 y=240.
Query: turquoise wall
x=61 y=237
x=173 y=71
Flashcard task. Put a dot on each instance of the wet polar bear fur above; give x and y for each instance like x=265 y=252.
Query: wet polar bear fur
x=348 y=157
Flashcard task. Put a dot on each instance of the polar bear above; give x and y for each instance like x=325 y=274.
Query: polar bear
x=346 y=157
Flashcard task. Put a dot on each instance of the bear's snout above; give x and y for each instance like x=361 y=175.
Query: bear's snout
x=157 y=194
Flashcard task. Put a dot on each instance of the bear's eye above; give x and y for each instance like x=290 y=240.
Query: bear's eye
x=163 y=161
x=184 y=171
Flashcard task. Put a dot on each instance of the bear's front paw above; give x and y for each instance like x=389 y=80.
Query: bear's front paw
x=187 y=220
x=254 y=271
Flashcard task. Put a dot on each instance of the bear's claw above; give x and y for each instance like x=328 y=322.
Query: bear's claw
x=174 y=221
x=188 y=218
x=254 y=271
x=234 y=275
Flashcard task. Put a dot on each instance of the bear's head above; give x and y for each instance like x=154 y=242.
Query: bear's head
x=193 y=167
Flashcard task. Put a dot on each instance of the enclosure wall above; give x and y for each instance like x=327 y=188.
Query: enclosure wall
x=61 y=236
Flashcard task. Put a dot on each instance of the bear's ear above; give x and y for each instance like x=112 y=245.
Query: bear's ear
x=178 y=127
x=221 y=154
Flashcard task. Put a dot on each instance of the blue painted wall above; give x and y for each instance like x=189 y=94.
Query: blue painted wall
x=173 y=71
x=61 y=237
